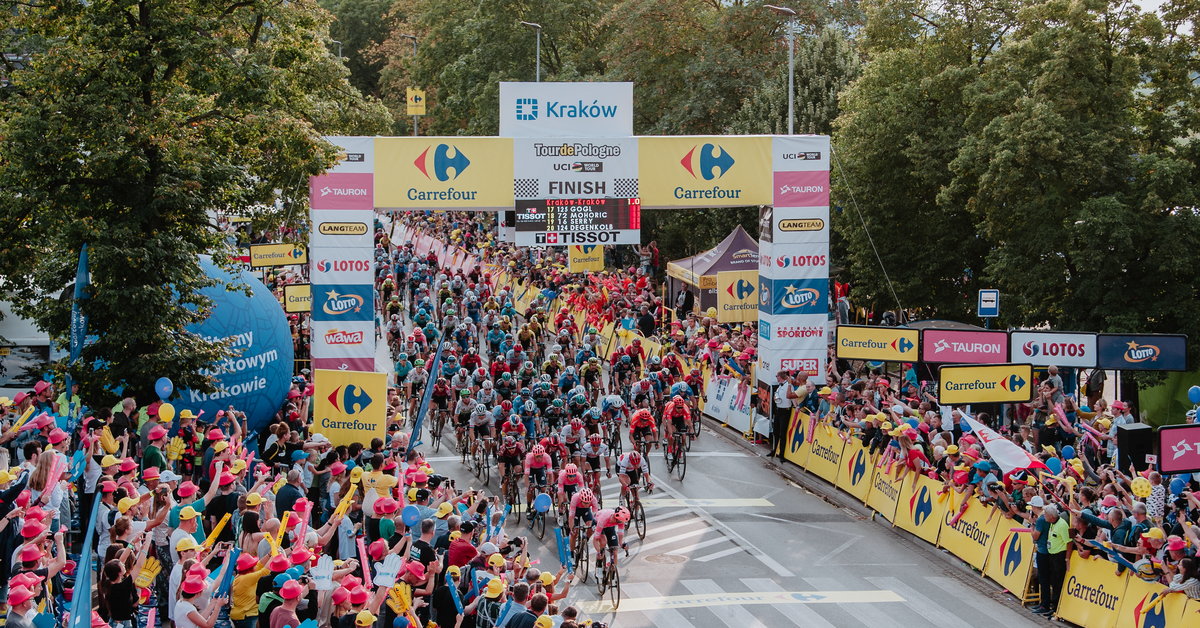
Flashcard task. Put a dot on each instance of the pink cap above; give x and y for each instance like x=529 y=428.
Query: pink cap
x=291 y=590
x=301 y=556
x=192 y=586
x=340 y=595
x=128 y=464
x=32 y=529
x=108 y=486
x=57 y=436
x=246 y=562
x=1176 y=543
x=359 y=595
x=187 y=489
x=40 y=386
x=415 y=569
x=19 y=595
x=216 y=434
x=377 y=548
x=1109 y=501
x=226 y=479
x=157 y=432
x=278 y=563
x=30 y=553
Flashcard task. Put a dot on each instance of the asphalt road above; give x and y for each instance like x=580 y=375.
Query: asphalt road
x=736 y=544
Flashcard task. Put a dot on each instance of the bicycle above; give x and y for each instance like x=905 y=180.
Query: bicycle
x=436 y=428
x=582 y=549
x=537 y=520
x=462 y=442
x=609 y=578
x=631 y=500
x=675 y=454
x=512 y=491
x=612 y=432
x=482 y=463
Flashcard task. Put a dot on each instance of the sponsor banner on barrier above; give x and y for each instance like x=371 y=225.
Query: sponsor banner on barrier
x=772 y=360
x=886 y=344
x=1092 y=592
x=793 y=296
x=350 y=407
x=1179 y=448
x=920 y=511
x=885 y=492
x=825 y=459
x=728 y=401
x=971 y=536
x=799 y=225
x=588 y=258
x=801 y=189
x=353 y=266
x=737 y=296
x=342 y=190
x=271 y=255
x=1140 y=608
x=343 y=228
x=344 y=364
x=341 y=302
x=790 y=153
x=560 y=109
x=355 y=154
x=798 y=448
x=1057 y=348
x=995 y=383
x=857 y=470
x=955 y=346
x=1011 y=557
x=575 y=168
x=1142 y=352
x=703 y=171
x=444 y=172
x=297 y=297
x=343 y=339
x=796 y=261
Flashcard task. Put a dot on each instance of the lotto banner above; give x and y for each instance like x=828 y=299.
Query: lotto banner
x=825 y=459
x=971 y=536
x=920 y=511
x=737 y=296
x=885 y=492
x=1010 y=558
x=798 y=447
x=1139 y=608
x=588 y=258
x=857 y=470
x=884 y=344
x=700 y=171
x=1092 y=593
x=350 y=407
x=340 y=303
x=444 y=172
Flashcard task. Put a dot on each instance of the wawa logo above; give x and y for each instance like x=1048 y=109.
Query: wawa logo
x=339 y=337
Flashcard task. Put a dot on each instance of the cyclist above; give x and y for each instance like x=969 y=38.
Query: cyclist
x=641 y=392
x=514 y=427
x=567 y=380
x=441 y=395
x=582 y=503
x=557 y=449
x=415 y=384
x=610 y=532
x=505 y=386
x=486 y=395
x=538 y=466
x=574 y=435
x=591 y=373
x=642 y=426
x=463 y=409
x=510 y=456
x=621 y=374
x=483 y=426
x=591 y=420
x=596 y=455
x=630 y=469
x=462 y=380
x=614 y=406
x=555 y=414
x=677 y=416
x=578 y=406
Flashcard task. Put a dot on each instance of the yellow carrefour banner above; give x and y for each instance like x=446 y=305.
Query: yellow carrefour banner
x=995 y=383
x=1010 y=558
x=826 y=456
x=970 y=537
x=737 y=296
x=920 y=510
x=888 y=344
x=857 y=470
x=1140 y=607
x=1092 y=593
x=885 y=492
x=587 y=258
x=444 y=172
x=297 y=297
x=700 y=171
x=797 y=447
x=350 y=406
x=268 y=255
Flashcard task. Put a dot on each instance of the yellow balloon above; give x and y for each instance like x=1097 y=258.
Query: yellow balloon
x=1141 y=487
x=166 y=412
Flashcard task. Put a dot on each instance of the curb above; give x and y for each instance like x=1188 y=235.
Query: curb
x=830 y=495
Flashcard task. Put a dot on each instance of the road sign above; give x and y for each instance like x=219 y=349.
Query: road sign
x=416 y=101
x=989 y=303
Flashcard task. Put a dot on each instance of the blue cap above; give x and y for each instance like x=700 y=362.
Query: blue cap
x=299 y=455
x=281 y=578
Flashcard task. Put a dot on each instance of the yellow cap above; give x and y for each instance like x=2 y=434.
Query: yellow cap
x=185 y=544
x=126 y=503
x=495 y=587
x=546 y=578
x=543 y=621
x=109 y=461
x=1156 y=533
x=364 y=618
x=412 y=494
x=495 y=560
x=455 y=535
x=219 y=446
x=5 y=476
x=454 y=570
x=355 y=475
x=188 y=513
x=444 y=509
x=254 y=499
x=238 y=466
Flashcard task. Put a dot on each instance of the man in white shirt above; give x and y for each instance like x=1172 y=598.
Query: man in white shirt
x=781 y=412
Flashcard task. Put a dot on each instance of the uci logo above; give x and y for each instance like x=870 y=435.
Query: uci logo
x=740 y=290
x=795 y=297
x=920 y=506
x=442 y=162
x=712 y=162
x=351 y=400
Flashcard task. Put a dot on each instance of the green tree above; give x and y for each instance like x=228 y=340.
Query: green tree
x=360 y=26
x=141 y=120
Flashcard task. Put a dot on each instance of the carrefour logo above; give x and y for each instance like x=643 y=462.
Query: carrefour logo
x=712 y=162
x=527 y=109
x=1013 y=552
x=445 y=159
x=857 y=468
x=740 y=290
x=349 y=399
x=338 y=304
x=1155 y=616
x=920 y=506
x=797 y=432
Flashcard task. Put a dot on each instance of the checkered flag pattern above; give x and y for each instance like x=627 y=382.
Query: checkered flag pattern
x=527 y=188
x=625 y=188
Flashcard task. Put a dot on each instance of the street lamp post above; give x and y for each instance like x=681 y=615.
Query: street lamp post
x=339 y=47
x=791 y=39
x=414 y=41
x=537 y=50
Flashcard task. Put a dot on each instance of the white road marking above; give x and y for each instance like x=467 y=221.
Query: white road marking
x=734 y=616
x=799 y=614
x=671 y=539
x=721 y=554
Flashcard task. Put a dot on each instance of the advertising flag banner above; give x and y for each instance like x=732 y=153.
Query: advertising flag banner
x=825 y=459
x=1010 y=558
x=271 y=255
x=955 y=346
x=444 y=172
x=920 y=511
x=1092 y=593
x=1142 y=352
x=340 y=303
x=795 y=153
x=885 y=493
x=575 y=168
x=886 y=344
x=350 y=407
x=343 y=266
x=701 y=171
x=297 y=297
x=1009 y=455
x=355 y=153
x=588 y=258
x=798 y=447
x=1140 y=607
x=561 y=109
x=1059 y=348
x=800 y=225
x=345 y=339
x=857 y=470
x=971 y=536
x=415 y=99
x=801 y=189
x=343 y=228
x=342 y=190
x=793 y=296
x=737 y=296
x=995 y=383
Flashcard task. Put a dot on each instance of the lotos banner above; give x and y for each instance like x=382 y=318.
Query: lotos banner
x=587 y=258
x=1092 y=593
x=825 y=459
x=702 y=171
x=971 y=536
x=350 y=407
x=444 y=172
x=737 y=296
x=857 y=470
x=1010 y=559
x=920 y=511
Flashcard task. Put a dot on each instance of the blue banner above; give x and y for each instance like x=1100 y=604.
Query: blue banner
x=793 y=296
x=78 y=330
x=81 y=605
x=336 y=303
x=414 y=440
x=1142 y=352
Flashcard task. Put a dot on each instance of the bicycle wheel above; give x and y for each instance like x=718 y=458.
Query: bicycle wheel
x=614 y=442
x=477 y=461
x=638 y=514
x=583 y=561
x=602 y=577
x=485 y=466
x=614 y=587
x=540 y=525
x=435 y=432
x=696 y=426
x=680 y=461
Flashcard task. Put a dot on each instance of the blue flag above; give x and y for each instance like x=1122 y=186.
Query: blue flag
x=433 y=370
x=81 y=605
x=78 y=331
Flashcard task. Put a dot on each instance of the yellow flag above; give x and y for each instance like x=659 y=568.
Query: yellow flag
x=416 y=101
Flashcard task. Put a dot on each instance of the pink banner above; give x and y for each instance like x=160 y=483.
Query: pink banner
x=802 y=189
x=345 y=190
x=365 y=365
x=951 y=346
x=1179 y=450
